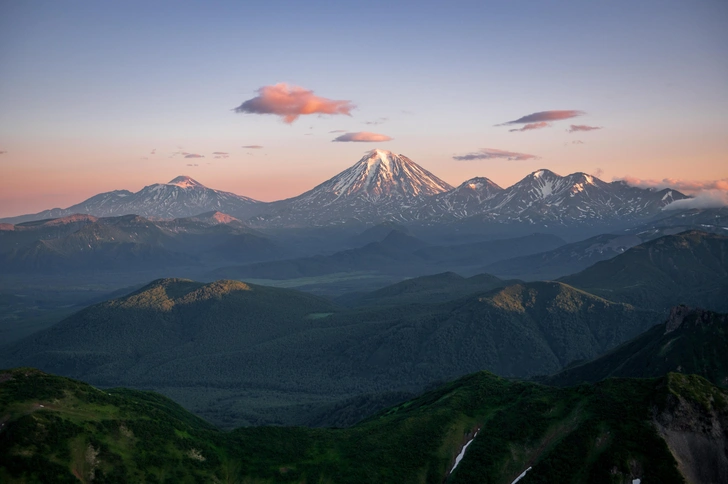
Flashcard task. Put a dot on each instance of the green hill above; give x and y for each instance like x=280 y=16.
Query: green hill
x=239 y=353
x=690 y=341
x=663 y=430
x=690 y=268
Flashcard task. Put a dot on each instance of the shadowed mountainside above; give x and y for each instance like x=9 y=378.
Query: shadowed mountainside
x=690 y=341
x=689 y=268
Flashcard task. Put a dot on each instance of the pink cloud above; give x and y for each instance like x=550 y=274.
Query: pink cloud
x=253 y=147
x=363 y=136
x=531 y=126
x=491 y=154
x=290 y=102
x=194 y=155
x=545 y=116
x=582 y=127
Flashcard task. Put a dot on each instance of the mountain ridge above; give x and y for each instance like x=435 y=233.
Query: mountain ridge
x=386 y=187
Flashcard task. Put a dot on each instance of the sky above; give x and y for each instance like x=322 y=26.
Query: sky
x=268 y=98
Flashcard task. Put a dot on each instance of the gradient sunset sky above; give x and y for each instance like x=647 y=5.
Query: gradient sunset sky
x=249 y=96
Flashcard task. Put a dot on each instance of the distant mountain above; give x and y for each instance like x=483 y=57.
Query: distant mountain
x=377 y=188
x=689 y=268
x=690 y=341
x=479 y=428
x=17 y=236
x=395 y=254
x=181 y=197
x=564 y=260
x=671 y=222
x=398 y=254
x=376 y=233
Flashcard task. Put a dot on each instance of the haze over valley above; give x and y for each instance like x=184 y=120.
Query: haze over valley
x=386 y=243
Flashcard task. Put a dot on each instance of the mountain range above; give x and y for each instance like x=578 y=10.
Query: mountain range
x=383 y=186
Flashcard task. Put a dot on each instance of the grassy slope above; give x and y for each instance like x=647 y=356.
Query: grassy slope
x=599 y=433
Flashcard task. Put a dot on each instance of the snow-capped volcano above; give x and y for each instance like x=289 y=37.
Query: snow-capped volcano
x=382 y=175
x=378 y=187
x=379 y=177
x=186 y=182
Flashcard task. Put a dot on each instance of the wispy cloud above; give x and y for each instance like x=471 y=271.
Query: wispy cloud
x=531 y=126
x=377 y=121
x=194 y=155
x=253 y=147
x=582 y=127
x=493 y=154
x=2 y=152
x=220 y=154
x=153 y=152
x=290 y=102
x=544 y=116
x=338 y=131
x=192 y=164
x=363 y=136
